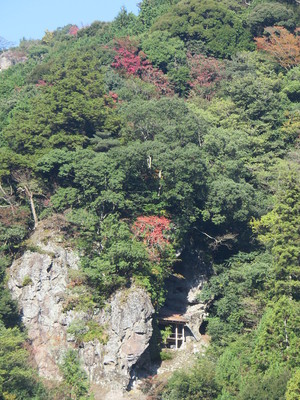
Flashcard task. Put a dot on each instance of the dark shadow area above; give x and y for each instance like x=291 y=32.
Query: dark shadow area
x=187 y=274
x=203 y=327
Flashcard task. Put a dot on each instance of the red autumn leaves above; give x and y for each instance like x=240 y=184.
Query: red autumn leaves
x=154 y=231
x=130 y=61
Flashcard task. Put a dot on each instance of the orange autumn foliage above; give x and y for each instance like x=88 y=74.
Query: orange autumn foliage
x=283 y=45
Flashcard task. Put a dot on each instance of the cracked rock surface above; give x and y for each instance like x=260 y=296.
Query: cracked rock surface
x=40 y=280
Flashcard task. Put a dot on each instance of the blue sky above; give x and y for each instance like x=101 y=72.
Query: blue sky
x=30 y=18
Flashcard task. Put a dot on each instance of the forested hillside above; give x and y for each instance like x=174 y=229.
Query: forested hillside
x=174 y=131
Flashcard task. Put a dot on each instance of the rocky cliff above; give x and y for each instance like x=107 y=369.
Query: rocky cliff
x=41 y=282
x=11 y=57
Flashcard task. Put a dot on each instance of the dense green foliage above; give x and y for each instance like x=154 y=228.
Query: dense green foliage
x=173 y=120
x=215 y=27
x=17 y=380
x=76 y=382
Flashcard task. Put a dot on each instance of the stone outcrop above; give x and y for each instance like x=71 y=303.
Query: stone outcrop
x=40 y=282
x=11 y=57
x=130 y=329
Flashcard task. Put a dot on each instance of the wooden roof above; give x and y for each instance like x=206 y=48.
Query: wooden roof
x=175 y=318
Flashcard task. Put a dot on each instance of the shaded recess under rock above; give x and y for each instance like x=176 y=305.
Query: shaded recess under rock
x=183 y=292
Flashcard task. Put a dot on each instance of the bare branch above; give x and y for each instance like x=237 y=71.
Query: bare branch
x=7 y=198
x=223 y=240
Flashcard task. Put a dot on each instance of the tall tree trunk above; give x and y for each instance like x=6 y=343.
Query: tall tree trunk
x=32 y=206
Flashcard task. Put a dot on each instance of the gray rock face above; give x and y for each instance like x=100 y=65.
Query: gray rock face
x=39 y=281
x=129 y=322
x=10 y=57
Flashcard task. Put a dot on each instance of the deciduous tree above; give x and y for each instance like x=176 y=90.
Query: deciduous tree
x=282 y=45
